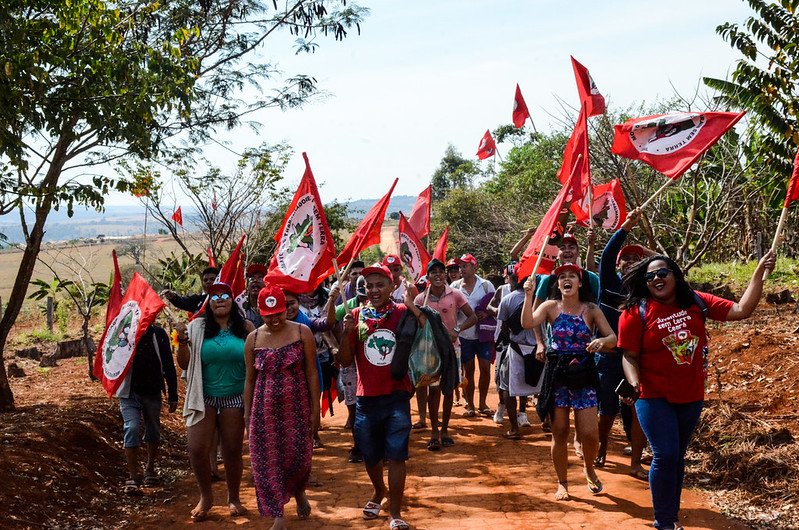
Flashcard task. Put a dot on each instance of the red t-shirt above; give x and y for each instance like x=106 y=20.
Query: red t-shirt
x=672 y=355
x=374 y=354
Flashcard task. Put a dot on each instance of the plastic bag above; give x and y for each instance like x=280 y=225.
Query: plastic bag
x=424 y=363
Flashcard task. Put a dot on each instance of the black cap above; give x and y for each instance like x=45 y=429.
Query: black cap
x=434 y=263
x=357 y=263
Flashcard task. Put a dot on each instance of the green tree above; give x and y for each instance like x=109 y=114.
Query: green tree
x=453 y=172
x=85 y=82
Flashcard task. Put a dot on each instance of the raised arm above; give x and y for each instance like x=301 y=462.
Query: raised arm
x=748 y=302
x=521 y=244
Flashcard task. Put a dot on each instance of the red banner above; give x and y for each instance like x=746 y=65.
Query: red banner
x=420 y=215
x=609 y=207
x=114 y=301
x=440 y=252
x=411 y=251
x=793 y=185
x=487 y=147
x=520 y=112
x=178 y=216
x=575 y=160
x=590 y=98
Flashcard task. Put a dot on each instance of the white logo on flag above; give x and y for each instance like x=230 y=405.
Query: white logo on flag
x=120 y=340
x=410 y=256
x=666 y=134
x=606 y=211
x=303 y=240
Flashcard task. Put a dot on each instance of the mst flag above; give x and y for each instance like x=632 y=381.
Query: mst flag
x=671 y=143
x=135 y=312
x=487 y=146
x=114 y=300
x=440 y=252
x=590 y=97
x=367 y=233
x=411 y=251
x=520 y=112
x=609 y=208
x=575 y=160
x=793 y=185
x=178 y=216
x=304 y=242
x=420 y=215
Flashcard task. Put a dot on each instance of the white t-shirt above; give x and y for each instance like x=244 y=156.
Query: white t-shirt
x=399 y=293
x=481 y=288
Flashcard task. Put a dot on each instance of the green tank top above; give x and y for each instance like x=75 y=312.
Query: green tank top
x=223 y=365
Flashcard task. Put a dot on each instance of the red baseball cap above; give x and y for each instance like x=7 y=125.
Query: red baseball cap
x=454 y=262
x=635 y=250
x=378 y=268
x=568 y=237
x=468 y=258
x=219 y=288
x=271 y=300
x=257 y=268
x=567 y=267
x=389 y=260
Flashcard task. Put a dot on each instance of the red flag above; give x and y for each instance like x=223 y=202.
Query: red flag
x=589 y=94
x=412 y=252
x=487 y=147
x=211 y=261
x=328 y=397
x=520 y=112
x=114 y=301
x=671 y=143
x=440 y=252
x=609 y=208
x=134 y=314
x=420 y=215
x=367 y=233
x=573 y=163
x=231 y=273
x=178 y=216
x=793 y=185
x=550 y=229
x=304 y=242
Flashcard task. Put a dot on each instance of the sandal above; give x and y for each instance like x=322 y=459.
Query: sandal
x=419 y=425
x=371 y=510
x=304 y=510
x=447 y=441
x=398 y=524
x=434 y=445
x=469 y=413
x=131 y=487
x=594 y=486
x=600 y=461
x=512 y=435
x=640 y=474
x=151 y=479
x=487 y=412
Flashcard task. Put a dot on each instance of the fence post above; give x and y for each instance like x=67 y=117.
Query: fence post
x=50 y=313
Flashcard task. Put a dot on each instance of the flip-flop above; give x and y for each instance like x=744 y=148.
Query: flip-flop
x=151 y=479
x=512 y=436
x=640 y=474
x=469 y=413
x=594 y=486
x=447 y=441
x=398 y=524
x=199 y=516
x=433 y=445
x=131 y=487
x=488 y=413
x=371 y=510
x=419 y=425
x=304 y=510
x=600 y=461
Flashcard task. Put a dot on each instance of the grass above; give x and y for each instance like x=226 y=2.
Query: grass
x=45 y=335
x=737 y=275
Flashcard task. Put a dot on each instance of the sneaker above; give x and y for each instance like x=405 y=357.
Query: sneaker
x=499 y=415
x=522 y=419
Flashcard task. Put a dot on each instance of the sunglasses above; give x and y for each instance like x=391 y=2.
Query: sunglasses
x=223 y=296
x=660 y=273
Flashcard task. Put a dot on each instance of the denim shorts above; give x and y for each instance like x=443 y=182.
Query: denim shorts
x=471 y=348
x=132 y=409
x=383 y=427
x=610 y=371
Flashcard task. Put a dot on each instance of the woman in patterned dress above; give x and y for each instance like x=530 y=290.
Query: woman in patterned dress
x=281 y=407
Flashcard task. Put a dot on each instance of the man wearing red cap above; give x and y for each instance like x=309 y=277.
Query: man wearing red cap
x=383 y=413
x=475 y=289
x=394 y=264
x=256 y=273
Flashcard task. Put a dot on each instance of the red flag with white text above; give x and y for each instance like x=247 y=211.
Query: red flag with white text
x=177 y=216
x=590 y=97
x=671 y=143
x=793 y=186
x=304 y=242
x=420 y=215
x=411 y=251
x=440 y=251
x=487 y=147
x=114 y=300
x=609 y=207
x=520 y=112
x=136 y=311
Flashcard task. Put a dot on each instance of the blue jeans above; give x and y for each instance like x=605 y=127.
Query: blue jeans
x=382 y=427
x=471 y=348
x=668 y=427
x=610 y=371
x=135 y=407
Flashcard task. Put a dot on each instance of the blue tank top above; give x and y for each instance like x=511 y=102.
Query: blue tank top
x=569 y=333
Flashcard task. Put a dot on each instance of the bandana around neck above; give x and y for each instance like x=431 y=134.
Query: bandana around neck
x=375 y=317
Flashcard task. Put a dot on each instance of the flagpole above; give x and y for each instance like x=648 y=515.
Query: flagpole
x=777 y=235
x=657 y=193
x=531 y=122
x=539 y=259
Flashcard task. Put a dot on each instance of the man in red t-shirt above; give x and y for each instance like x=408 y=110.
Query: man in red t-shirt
x=383 y=410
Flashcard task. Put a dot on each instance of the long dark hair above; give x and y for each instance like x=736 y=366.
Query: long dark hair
x=635 y=283
x=584 y=293
x=235 y=323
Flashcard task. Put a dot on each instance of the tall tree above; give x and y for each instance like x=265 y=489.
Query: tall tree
x=85 y=82
x=454 y=171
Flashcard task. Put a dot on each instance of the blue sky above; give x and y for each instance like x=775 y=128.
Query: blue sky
x=424 y=74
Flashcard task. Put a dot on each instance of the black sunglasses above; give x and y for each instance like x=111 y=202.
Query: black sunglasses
x=223 y=296
x=660 y=273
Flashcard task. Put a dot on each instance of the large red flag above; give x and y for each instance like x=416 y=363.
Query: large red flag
x=178 y=216
x=520 y=112
x=440 y=252
x=367 y=233
x=575 y=160
x=420 y=215
x=608 y=206
x=136 y=311
x=487 y=146
x=304 y=242
x=114 y=301
x=671 y=143
x=793 y=185
x=412 y=252
x=589 y=94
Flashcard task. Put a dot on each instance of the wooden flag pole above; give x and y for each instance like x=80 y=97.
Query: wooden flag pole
x=341 y=285
x=531 y=121
x=591 y=205
x=657 y=193
x=777 y=235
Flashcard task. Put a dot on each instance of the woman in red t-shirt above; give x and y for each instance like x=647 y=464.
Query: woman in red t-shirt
x=662 y=333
